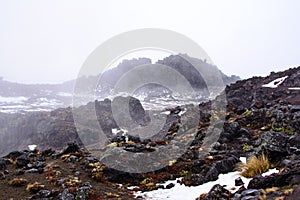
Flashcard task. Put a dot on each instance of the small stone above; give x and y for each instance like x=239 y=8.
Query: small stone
x=86 y=184
x=239 y=182
x=66 y=195
x=72 y=159
x=44 y=193
x=72 y=148
x=33 y=170
x=170 y=185
x=20 y=172
x=251 y=193
x=77 y=173
x=40 y=170
x=29 y=166
x=217 y=192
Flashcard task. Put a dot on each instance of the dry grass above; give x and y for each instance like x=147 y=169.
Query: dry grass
x=34 y=187
x=17 y=182
x=254 y=165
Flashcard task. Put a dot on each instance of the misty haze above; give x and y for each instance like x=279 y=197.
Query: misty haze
x=195 y=100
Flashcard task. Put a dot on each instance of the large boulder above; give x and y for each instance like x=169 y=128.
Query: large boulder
x=274 y=144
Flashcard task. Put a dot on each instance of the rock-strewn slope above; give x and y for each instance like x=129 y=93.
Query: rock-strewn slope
x=262 y=116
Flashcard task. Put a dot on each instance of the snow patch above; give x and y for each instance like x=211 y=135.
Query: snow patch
x=13 y=99
x=179 y=192
x=182 y=112
x=294 y=88
x=32 y=147
x=275 y=83
x=271 y=171
x=243 y=159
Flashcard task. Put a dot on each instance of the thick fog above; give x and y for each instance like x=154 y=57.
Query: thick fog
x=48 y=41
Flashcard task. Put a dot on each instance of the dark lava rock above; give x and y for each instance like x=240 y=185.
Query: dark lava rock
x=118 y=139
x=237 y=194
x=42 y=194
x=66 y=195
x=3 y=163
x=202 y=173
x=288 y=177
x=22 y=161
x=135 y=139
x=248 y=195
x=193 y=179
x=71 y=148
x=238 y=182
x=197 y=166
x=220 y=167
x=117 y=176
x=274 y=144
x=232 y=127
x=234 y=133
x=82 y=193
x=20 y=172
x=294 y=140
x=33 y=170
x=48 y=152
x=14 y=154
x=170 y=185
x=138 y=148
x=217 y=192
x=212 y=174
x=40 y=170
x=72 y=159
x=227 y=164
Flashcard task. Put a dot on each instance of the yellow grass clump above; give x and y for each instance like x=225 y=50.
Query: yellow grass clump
x=254 y=165
x=17 y=182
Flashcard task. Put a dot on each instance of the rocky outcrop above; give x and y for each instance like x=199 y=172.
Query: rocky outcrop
x=56 y=128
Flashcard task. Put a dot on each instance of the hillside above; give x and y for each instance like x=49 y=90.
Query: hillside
x=262 y=116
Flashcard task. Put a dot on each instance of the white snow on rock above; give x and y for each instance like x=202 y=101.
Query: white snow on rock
x=294 y=88
x=32 y=147
x=179 y=192
x=271 y=171
x=275 y=83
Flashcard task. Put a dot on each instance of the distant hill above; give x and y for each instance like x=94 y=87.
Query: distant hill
x=17 y=97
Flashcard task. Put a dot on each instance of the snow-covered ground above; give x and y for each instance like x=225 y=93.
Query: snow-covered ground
x=25 y=104
x=182 y=192
x=275 y=83
x=4 y=100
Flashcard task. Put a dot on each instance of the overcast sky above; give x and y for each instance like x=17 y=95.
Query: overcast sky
x=47 y=41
